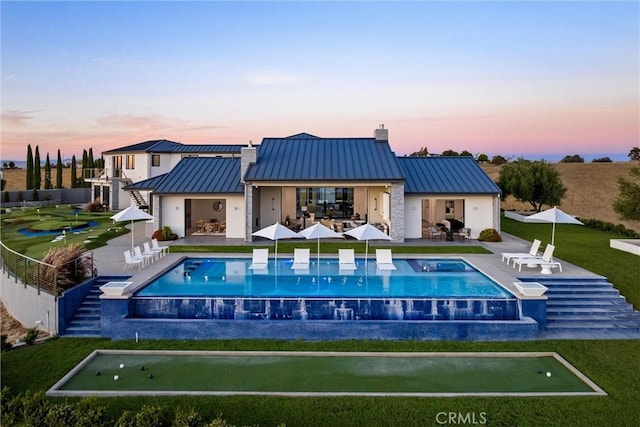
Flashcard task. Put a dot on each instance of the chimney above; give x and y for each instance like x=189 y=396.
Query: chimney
x=248 y=155
x=381 y=134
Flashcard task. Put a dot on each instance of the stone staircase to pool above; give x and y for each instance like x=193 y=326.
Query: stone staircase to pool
x=86 y=320
x=590 y=309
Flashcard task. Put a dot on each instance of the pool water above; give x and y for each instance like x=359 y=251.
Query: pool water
x=414 y=278
x=226 y=289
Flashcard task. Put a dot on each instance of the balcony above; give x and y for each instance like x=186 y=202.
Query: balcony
x=102 y=175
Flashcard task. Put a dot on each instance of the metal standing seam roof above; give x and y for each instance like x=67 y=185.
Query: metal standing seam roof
x=305 y=157
x=445 y=175
x=147 y=184
x=202 y=175
x=166 y=146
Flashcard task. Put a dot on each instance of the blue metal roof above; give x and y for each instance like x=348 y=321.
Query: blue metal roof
x=305 y=157
x=147 y=184
x=445 y=175
x=166 y=146
x=202 y=175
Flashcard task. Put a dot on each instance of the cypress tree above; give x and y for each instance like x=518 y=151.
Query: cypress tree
x=29 y=168
x=37 y=173
x=59 y=171
x=85 y=166
x=47 y=173
x=74 y=178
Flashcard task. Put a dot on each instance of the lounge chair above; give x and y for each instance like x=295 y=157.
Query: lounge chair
x=156 y=246
x=148 y=248
x=464 y=233
x=545 y=261
x=435 y=233
x=533 y=252
x=384 y=259
x=260 y=259
x=300 y=259
x=130 y=261
x=146 y=257
x=347 y=259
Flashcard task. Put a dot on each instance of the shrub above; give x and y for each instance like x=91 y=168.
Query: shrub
x=34 y=408
x=187 y=418
x=619 y=229
x=90 y=414
x=63 y=414
x=489 y=235
x=31 y=335
x=164 y=234
x=95 y=206
x=71 y=269
x=10 y=408
x=127 y=419
x=35 y=197
x=152 y=416
x=7 y=197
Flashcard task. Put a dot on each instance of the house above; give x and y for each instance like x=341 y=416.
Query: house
x=234 y=190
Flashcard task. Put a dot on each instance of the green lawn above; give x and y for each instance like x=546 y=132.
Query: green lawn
x=613 y=365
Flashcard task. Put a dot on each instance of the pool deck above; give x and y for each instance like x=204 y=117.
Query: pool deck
x=110 y=261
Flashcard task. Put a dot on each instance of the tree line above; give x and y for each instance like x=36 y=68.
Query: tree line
x=34 y=172
x=634 y=154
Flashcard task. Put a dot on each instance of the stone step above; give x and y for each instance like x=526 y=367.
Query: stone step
x=590 y=318
x=586 y=290
x=581 y=302
x=594 y=325
x=92 y=323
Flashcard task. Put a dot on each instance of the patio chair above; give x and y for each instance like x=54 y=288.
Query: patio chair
x=464 y=233
x=146 y=257
x=300 y=259
x=148 y=250
x=533 y=252
x=260 y=259
x=435 y=233
x=130 y=261
x=384 y=259
x=545 y=261
x=155 y=246
x=347 y=259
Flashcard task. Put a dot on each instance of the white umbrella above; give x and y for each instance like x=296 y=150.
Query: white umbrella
x=132 y=213
x=555 y=216
x=367 y=232
x=276 y=232
x=319 y=231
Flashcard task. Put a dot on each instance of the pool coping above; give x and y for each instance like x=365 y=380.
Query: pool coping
x=55 y=391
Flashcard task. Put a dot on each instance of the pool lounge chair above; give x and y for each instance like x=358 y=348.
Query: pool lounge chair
x=155 y=246
x=533 y=252
x=146 y=257
x=260 y=259
x=384 y=259
x=300 y=259
x=347 y=259
x=545 y=261
x=130 y=261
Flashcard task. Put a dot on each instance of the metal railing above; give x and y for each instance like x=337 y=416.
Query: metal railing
x=103 y=174
x=46 y=277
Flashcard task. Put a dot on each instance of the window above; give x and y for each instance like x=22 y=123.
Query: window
x=155 y=160
x=131 y=164
x=117 y=166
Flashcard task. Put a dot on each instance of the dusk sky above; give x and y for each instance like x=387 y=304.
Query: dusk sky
x=533 y=79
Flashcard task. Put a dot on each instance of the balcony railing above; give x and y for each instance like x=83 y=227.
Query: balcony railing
x=102 y=174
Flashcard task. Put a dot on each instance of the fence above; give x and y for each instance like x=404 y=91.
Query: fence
x=45 y=277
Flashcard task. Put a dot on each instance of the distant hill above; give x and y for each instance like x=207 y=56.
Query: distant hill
x=591 y=190
x=22 y=164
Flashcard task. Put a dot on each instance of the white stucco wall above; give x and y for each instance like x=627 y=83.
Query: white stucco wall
x=25 y=305
x=478 y=213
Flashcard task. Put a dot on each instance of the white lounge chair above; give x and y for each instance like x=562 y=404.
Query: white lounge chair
x=146 y=250
x=300 y=259
x=533 y=252
x=130 y=261
x=260 y=260
x=137 y=253
x=384 y=259
x=155 y=246
x=545 y=261
x=155 y=252
x=347 y=259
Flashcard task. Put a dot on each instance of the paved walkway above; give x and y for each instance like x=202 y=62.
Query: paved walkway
x=110 y=261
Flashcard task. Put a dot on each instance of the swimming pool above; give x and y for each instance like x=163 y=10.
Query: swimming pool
x=420 y=289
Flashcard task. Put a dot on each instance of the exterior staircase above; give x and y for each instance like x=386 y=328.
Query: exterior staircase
x=138 y=199
x=588 y=308
x=86 y=320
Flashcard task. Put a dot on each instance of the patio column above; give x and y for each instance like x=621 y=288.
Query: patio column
x=397 y=212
